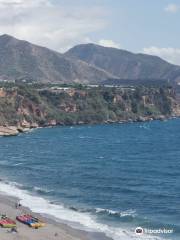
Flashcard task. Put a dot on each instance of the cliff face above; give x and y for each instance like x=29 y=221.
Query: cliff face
x=24 y=107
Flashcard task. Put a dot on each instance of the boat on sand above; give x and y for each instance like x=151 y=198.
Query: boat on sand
x=30 y=221
x=6 y=222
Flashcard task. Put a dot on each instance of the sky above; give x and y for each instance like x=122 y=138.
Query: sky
x=146 y=26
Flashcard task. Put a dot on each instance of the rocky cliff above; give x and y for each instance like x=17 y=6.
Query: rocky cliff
x=24 y=107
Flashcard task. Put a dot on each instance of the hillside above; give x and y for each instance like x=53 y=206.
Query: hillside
x=86 y=64
x=24 y=107
x=21 y=60
x=124 y=64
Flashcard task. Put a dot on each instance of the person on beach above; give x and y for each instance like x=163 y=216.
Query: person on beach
x=18 y=204
x=14 y=230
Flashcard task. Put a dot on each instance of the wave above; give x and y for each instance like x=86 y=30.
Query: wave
x=18 y=164
x=85 y=220
x=144 y=126
x=128 y=213
x=100 y=157
x=5 y=163
x=101 y=211
x=38 y=190
x=85 y=137
x=42 y=190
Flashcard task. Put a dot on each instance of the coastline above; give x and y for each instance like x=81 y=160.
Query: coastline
x=10 y=131
x=45 y=107
x=52 y=231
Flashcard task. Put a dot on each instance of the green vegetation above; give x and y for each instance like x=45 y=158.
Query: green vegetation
x=77 y=104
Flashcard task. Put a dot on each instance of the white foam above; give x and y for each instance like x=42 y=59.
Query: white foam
x=131 y=212
x=18 y=164
x=43 y=206
x=43 y=190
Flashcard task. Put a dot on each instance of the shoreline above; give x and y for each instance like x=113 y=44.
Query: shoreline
x=10 y=131
x=52 y=231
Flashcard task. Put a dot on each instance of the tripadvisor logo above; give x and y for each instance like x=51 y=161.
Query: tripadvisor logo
x=139 y=231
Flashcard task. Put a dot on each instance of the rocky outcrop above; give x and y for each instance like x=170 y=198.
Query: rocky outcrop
x=8 y=131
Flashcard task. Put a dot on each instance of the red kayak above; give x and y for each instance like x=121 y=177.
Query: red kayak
x=7 y=223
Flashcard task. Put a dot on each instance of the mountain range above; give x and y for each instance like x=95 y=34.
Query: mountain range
x=86 y=64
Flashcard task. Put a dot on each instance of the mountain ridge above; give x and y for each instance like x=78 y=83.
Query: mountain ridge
x=21 y=60
x=125 y=64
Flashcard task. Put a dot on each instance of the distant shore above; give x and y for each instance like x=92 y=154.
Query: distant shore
x=25 y=107
x=7 y=131
x=52 y=230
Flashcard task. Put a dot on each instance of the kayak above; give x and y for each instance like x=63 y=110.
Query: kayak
x=30 y=221
x=6 y=222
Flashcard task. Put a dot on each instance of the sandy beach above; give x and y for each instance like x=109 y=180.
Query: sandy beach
x=52 y=230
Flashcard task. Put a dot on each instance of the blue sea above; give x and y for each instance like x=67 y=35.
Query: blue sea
x=103 y=178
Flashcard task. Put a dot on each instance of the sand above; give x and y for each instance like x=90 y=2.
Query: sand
x=52 y=230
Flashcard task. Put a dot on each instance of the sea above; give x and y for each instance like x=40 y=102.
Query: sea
x=110 y=179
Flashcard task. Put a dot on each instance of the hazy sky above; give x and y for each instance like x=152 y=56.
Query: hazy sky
x=150 y=26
